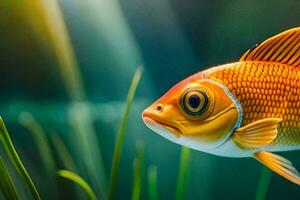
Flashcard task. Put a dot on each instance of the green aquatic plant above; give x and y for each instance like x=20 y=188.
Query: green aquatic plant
x=7 y=187
x=64 y=156
x=183 y=172
x=263 y=184
x=85 y=145
x=80 y=181
x=138 y=172
x=40 y=139
x=44 y=150
x=63 y=152
x=121 y=134
x=152 y=183
x=46 y=20
x=14 y=158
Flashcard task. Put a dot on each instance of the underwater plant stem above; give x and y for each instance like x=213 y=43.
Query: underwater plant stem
x=77 y=179
x=263 y=185
x=47 y=19
x=62 y=151
x=152 y=183
x=44 y=150
x=7 y=186
x=183 y=171
x=121 y=134
x=50 y=15
x=138 y=172
x=13 y=155
x=39 y=136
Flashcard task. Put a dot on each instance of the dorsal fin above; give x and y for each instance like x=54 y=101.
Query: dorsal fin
x=282 y=48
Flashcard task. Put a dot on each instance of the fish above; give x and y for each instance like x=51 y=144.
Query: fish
x=247 y=108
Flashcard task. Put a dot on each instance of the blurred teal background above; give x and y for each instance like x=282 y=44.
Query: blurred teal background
x=109 y=39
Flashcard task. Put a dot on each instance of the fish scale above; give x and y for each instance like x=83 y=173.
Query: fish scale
x=265 y=90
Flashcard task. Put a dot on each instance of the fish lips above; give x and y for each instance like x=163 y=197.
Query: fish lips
x=159 y=126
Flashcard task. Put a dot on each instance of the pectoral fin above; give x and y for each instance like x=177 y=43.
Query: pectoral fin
x=258 y=133
x=279 y=165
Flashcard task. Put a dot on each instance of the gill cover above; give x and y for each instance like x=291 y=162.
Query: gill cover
x=196 y=112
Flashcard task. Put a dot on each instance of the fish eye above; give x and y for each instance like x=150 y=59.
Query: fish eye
x=194 y=102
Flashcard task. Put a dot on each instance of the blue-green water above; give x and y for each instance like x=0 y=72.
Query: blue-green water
x=171 y=39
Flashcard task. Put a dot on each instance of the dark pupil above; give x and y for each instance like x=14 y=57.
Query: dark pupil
x=194 y=101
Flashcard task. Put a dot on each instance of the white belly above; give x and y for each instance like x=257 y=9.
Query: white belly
x=231 y=149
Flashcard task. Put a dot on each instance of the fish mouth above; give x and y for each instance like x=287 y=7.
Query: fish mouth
x=173 y=129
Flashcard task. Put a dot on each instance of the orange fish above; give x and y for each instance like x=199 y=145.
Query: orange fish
x=248 y=108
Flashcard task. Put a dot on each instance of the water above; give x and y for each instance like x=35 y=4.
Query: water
x=72 y=70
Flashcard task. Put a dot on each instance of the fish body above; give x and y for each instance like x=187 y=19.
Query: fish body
x=263 y=90
x=248 y=108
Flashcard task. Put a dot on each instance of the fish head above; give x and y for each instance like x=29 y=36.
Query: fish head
x=196 y=113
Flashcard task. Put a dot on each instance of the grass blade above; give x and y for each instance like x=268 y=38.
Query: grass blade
x=182 y=175
x=13 y=155
x=77 y=179
x=121 y=134
x=41 y=141
x=152 y=183
x=138 y=172
x=63 y=152
x=65 y=157
x=7 y=186
x=263 y=184
x=44 y=150
x=47 y=20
